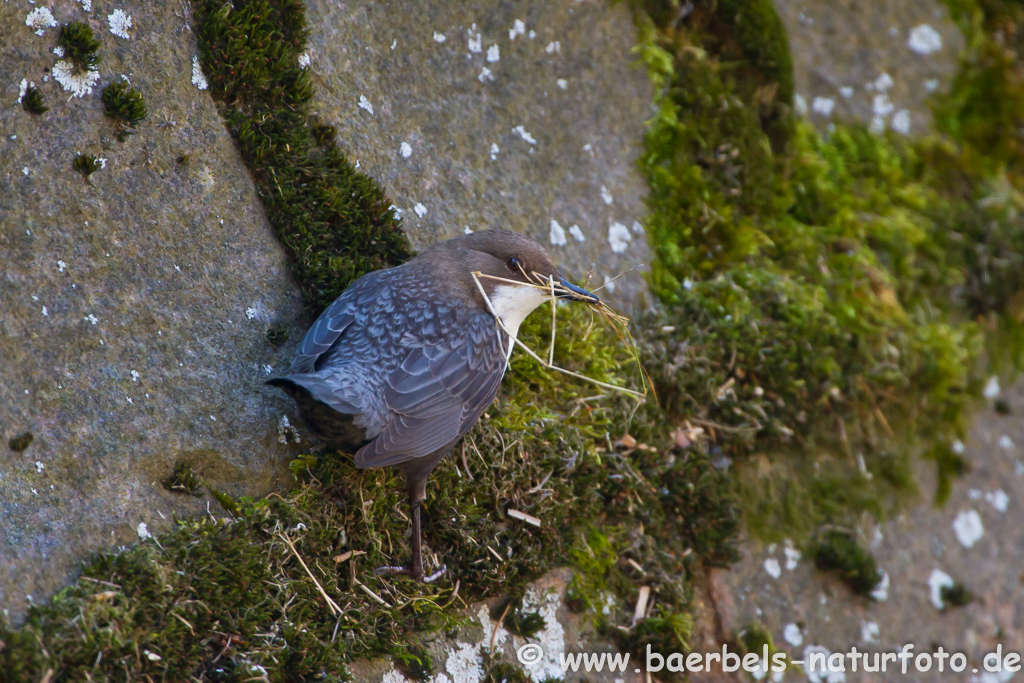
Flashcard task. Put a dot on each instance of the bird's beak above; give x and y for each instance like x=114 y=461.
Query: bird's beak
x=568 y=290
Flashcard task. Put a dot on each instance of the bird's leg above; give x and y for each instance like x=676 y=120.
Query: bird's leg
x=414 y=569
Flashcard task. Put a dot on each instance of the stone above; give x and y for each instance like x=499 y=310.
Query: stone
x=134 y=304
x=879 y=63
x=543 y=130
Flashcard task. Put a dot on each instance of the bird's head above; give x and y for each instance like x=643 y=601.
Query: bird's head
x=516 y=273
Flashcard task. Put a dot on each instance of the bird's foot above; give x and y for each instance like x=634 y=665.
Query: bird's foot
x=412 y=572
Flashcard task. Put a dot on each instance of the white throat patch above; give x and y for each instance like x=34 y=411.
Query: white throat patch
x=513 y=303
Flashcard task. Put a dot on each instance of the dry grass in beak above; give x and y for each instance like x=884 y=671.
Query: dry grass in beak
x=619 y=323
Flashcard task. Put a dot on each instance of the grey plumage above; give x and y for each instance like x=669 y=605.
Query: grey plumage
x=402 y=364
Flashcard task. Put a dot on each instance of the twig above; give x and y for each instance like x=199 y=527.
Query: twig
x=373 y=595
x=641 y=605
x=335 y=610
x=497 y=626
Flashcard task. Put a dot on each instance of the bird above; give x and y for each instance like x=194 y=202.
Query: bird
x=406 y=360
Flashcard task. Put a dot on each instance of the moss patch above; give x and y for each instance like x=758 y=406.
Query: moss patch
x=840 y=552
x=32 y=101
x=124 y=104
x=20 y=442
x=335 y=222
x=80 y=45
x=86 y=164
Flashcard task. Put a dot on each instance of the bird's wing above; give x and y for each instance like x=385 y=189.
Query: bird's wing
x=335 y=319
x=436 y=395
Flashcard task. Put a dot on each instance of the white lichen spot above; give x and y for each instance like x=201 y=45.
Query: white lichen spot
x=518 y=29
x=22 y=89
x=1005 y=443
x=394 y=43
x=881 y=105
x=135 y=375
x=405 y=149
x=143 y=531
x=493 y=54
x=305 y=60
x=39 y=20
x=877 y=125
x=286 y=432
x=92 y=319
x=397 y=211
x=998 y=499
x=86 y=5
x=974 y=494
x=881 y=591
x=532 y=34
x=557 y=234
x=931 y=85
x=606 y=196
x=365 y=104
x=618 y=237
x=562 y=83
x=79 y=84
x=882 y=83
x=102 y=161
x=901 y=122
x=936 y=582
x=577 y=234
x=25 y=171
x=791 y=634
x=869 y=632
x=553 y=47
x=420 y=210
x=522 y=132
x=152 y=656
x=771 y=565
x=958 y=447
x=489 y=626
x=494 y=151
x=46 y=311
x=198 y=79
x=551 y=638
x=474 y=41
x=609 y=284
x=992 y=388
x=467 y=230
x=792 y=555
x=846 y=91
x=485 y=75
x=267 y=369
x=464 y=665
x=119 y=23
x=251 y=313
x=924 y=40
x=439 y=37
x=392 y=675
x=799 y=104
x=967 y=527
x=40 y=466
x=823 y=106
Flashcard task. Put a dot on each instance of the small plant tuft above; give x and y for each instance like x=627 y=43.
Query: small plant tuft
x=956 y=595
x=20 y=442
x=32 y=101
x=184 y=479
x=124 y=103
x=839 y=552
x=325 y=134
x=86 y=164
x=81 y=46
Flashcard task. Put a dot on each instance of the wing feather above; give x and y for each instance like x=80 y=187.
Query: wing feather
x=436 y=395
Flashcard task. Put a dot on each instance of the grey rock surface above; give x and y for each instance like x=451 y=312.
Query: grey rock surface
x=133 y=306
x=471 y=122
x=976 y=539
x=880 y=63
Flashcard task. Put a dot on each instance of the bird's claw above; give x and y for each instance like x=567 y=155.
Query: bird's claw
x=410 y=572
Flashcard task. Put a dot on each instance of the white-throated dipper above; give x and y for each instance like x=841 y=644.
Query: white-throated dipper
x=406 y=360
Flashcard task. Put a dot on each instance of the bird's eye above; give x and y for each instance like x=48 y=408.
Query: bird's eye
x=514 y=264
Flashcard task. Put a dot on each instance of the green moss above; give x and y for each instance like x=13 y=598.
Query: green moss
x=86 y=164
x=335 y=222
x=325 y=134
x=503 y=672
x=956 y=595
x=415 y=663
x=80 y=45
x=20 y=442
x=839 y=552
x=125 y=104
x=184 y=479
x=277 y=335
x=1002 y=406
x=32 y=101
